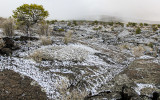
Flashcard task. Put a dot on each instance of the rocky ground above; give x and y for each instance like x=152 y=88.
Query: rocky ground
x=100 y=61
x=14 y=86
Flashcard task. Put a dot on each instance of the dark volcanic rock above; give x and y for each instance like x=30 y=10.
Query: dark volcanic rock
x=15 y=87
x=25 y=38
x=6 y=51
x=9 y=46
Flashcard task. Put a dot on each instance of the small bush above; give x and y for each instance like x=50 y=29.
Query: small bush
x=61 y=30
x=97 y=28
x=37 y=56
x=119 y=23
x=46 y=40
x=95 y=22
x=69 y=24
x=154 y=28
x=8 y=27
x=1 y=21
x=68 y=37
x=110 y=23
x=66 y=94
x=53 y=21
x=44 y=29
x=75 y=23
x=131 y=24
x=138 y=51
x=138 y=30
x=141 y=24
x=150 y=44
x=145 y=24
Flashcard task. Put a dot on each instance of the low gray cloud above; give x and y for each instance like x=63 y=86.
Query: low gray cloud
x=80 y=9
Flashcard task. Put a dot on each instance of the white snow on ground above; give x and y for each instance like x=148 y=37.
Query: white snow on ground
x=146 y=57
x=28 y=68
x=48 y=79
x=124 y=33
x=140 y=86
x=73 y=52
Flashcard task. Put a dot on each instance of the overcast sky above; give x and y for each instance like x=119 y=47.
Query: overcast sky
x=78 y=9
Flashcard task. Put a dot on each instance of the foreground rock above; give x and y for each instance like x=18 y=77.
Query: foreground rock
x=16 y=87
x=140 y=81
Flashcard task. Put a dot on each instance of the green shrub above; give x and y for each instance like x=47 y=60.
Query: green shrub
x=138 y=30
x=145 y=24
x=150 y=44
x=95 y=22
x=53 y=21
x=61 y=30
x=119 y=23
x=131 y=24
x=141 y=24
x=69 y=24
x=75 y=23
x=110 y=23
x=154 y=27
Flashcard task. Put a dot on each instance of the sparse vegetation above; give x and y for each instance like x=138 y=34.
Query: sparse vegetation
x=8 y=27
x=61 y=30
x=46 y=40
x=53 y=21
x=1 y=21
x=145 y=24
x=44 y=28
x=141 y=24
x=131 y=24
x=138 y=51
x=110 y=23
x=68 y=37
x=69 y=24
x=119 y=23
x=66 y=94
x=138 y=30
x=150 y=44
x=75 y=23
x=154 y=27
x=95 y=22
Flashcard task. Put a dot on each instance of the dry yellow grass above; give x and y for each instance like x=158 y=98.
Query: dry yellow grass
x=138 y=51
x=68 y=37
x=37 y=56
x=46 y=40
x=44 y=29
x=70 y=95
x=8 y=27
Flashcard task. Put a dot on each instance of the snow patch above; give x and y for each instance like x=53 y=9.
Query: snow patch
x=146 y=57
x=140 y=86
x=73 y=52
